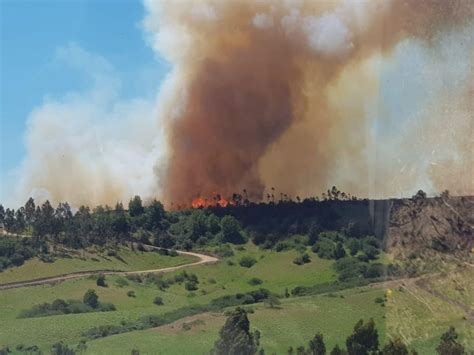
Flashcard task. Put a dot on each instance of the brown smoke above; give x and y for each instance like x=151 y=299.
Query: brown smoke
x=258 y=79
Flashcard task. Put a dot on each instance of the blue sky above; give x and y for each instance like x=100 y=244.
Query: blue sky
x=32 y=35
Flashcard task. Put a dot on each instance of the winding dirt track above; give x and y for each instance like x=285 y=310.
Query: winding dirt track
x=203 y=259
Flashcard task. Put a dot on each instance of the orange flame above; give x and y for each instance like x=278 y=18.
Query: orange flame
x=216 y=200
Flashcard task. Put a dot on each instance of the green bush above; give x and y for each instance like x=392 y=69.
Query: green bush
x=101 y=281
x=91 y=299
x=349 y=268
x=191 y=286
x=302 y=259
x=379 y=300
x=324 y=248
x=60 y=306
x=247 y=261
x=121 y=282
x=224 y=251
x=134 y=278
x=255 y=281
x=158 y=301
x=283 y=246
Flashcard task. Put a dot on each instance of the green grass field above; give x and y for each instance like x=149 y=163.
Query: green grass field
x=406 y=313
x=294 y=323
x=275 y=269
x=126 y=260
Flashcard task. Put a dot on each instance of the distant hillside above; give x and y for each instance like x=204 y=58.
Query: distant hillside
x=426 y=227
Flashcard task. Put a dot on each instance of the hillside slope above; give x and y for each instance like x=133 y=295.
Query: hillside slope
x=428 y=227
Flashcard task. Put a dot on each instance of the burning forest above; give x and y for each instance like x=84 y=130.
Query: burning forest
x=274 y=93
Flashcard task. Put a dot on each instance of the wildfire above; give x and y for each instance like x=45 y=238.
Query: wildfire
x=216 y=200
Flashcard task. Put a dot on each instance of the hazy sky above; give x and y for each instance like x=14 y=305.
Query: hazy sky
x=33 y=32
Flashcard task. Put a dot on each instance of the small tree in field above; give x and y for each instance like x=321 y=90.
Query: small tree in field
x=394 y=347
x=61 y=349
x=364 y=339
x=272 y=301
x=316 y=345
x=235 y=337
x=338 y=351
x=101 y=281
x=91 y=298
x=449 y=344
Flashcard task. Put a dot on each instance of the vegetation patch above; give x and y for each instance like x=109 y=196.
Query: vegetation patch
x=90 y=303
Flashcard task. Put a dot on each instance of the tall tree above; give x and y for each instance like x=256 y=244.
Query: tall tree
x=364 y=339
x=155 y=213
x=230 y=228
x=338 y=351
x=120 y=223
x=2 y=214
x=91 y=299
x=235 y=337
x=30 y=211
x=135 y=207
x=317 y=346
x=9 y=220
x=20 y=223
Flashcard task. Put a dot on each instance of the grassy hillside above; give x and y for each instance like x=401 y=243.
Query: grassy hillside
x=90 y=260
x=276 y=270
x=411 y=312
x=292 y=324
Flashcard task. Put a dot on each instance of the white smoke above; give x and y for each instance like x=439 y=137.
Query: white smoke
x=90 y=147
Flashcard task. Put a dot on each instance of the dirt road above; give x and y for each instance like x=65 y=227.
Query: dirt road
x=203 y=259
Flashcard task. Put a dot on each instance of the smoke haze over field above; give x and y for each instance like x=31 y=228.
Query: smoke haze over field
x=300 y=95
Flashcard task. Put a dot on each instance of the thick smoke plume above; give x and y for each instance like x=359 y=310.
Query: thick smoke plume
x=372 y=96
x=261 y=81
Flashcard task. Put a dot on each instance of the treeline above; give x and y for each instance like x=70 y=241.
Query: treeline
x=235 y=338
x=279 y=226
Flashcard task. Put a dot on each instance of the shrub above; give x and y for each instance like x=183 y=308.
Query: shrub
x=173 y=253
x=349 y=268
x=306 y=258
x=272 y=301
x=370 y=251
x=255 y=281
x=91 y=299
x=131 y=294
x=111 y=252
x=60 y=306
x=282 y=246
x=158 y=301
x=61 y=349
x=302 y=259
x=101 y=281
x=121 y=282
x=247 y=261
x=224 y=251
x=374 y=270
x=324 y=248
x=379 y=300
x=191 y=286
x=134 y=278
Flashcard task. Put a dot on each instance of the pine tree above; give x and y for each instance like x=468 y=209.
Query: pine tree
x=235 y=337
